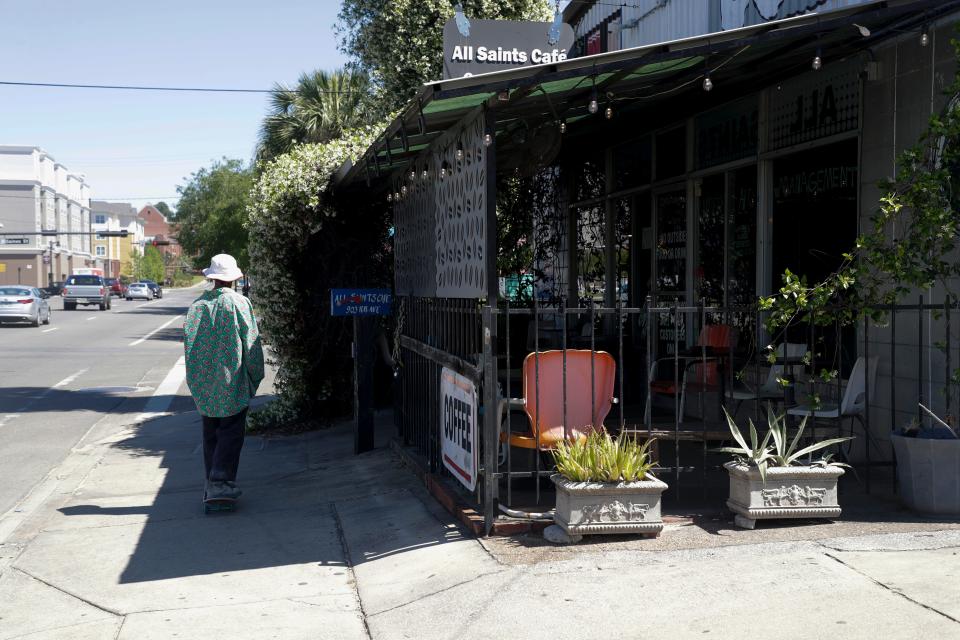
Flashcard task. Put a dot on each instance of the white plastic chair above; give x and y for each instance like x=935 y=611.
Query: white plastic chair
x=853 y=404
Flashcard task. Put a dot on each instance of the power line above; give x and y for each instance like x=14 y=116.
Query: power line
x=127 y=87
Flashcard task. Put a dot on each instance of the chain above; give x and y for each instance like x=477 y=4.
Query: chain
x=397 y=330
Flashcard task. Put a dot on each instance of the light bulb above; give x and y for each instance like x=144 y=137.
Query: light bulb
x=924 y=38
x=443 y=172
x=459 y=153
x=707 y=83
x=817 y=61
x=413 y=174
x=609 y=113
x=593 y=106
x=563 y=126
x=487 y=139
x=389 y=197
x=403 y=190
x=425 y=174
x=396 y=196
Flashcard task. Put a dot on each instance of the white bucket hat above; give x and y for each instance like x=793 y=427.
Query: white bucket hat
x=223 y=267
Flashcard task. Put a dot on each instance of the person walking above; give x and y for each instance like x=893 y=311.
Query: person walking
x=224 y=360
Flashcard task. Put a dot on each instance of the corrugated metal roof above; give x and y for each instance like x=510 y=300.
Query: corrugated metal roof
x=645 y=74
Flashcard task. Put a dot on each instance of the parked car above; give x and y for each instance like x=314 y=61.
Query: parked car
x=117 y=288
x=55 y=288
x=86 y=289
x=139 y=290
x=154 y=287
x=24 y=304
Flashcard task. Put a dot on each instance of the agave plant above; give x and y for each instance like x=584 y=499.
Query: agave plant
x=599 y=457
x=783 y=453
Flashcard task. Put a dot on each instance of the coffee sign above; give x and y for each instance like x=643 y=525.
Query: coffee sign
x=471 y=47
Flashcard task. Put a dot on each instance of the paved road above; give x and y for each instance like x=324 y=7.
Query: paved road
x=87 y=373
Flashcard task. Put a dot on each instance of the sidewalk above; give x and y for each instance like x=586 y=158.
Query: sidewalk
x=330 y=545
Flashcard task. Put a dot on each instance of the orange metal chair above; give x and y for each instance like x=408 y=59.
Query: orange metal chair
x=583 y=416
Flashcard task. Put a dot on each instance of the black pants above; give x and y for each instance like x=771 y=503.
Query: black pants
x=222 y=442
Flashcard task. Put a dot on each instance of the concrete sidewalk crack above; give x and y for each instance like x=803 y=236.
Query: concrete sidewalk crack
x=438 y=592
x=899 y=593
x=68 y=593
x=353 y=576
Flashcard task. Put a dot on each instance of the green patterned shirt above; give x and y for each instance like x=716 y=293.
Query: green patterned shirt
x=223 y=353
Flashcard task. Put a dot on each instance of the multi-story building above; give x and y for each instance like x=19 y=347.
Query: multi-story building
x=158 y=228
x=116 y=252
x=39 y=194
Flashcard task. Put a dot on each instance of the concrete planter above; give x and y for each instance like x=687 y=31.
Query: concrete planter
x=790 y=492
x=586 y=508
x=929 y=474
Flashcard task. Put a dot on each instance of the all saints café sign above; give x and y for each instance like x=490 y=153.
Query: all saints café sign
x=472 y=47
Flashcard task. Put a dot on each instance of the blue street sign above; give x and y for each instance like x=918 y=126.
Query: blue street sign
x=361 y=302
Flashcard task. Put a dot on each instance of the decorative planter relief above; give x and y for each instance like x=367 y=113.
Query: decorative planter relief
x=790 y=492
x=585 y=508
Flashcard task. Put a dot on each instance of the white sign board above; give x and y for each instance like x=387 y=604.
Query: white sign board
x=458 y=426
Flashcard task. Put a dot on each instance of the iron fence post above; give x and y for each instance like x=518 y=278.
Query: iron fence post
x=490 y=436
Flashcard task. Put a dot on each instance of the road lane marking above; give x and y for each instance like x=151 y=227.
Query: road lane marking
x=51 y=329
x=92 y=318
x=50 y=390
x=160 y=401
x=160 y=328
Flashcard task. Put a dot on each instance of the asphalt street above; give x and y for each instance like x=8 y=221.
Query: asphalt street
x=85 y=374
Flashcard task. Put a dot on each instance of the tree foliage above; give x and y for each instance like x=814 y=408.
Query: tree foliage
x=212 y=213
x=300 y=247
x=319 y=108
x=165 y=209
x=400 y=42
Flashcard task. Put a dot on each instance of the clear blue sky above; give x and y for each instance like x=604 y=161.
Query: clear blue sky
x=139 y=145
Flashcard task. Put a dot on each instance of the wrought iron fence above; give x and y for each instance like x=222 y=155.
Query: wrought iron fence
x=676 y=368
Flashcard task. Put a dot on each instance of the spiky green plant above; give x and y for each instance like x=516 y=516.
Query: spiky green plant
x=599 y=457
x=783 y=453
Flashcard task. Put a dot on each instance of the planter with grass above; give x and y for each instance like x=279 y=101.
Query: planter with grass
x=768 y=482
x=604 y=485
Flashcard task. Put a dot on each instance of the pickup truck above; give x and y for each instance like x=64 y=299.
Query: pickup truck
x=85 y=289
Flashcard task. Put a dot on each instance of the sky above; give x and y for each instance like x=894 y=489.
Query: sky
x=137 y=146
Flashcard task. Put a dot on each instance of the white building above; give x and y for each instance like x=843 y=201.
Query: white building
x=39 y=194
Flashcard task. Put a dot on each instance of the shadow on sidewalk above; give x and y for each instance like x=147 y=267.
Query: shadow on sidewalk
x=305 y=498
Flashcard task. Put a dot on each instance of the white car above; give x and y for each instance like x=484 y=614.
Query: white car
x=24 y=304
x=139 y=290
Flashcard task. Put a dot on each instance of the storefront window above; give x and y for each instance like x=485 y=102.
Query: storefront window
x=632 y=164
x=671 y=153
x=742 y=234
x=671 y=232
x=814 y=210
x=589 y=173
x=709 y=273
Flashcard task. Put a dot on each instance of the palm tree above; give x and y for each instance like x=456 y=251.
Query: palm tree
x=321 y=107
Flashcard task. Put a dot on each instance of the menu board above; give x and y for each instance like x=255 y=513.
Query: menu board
x=671 y=254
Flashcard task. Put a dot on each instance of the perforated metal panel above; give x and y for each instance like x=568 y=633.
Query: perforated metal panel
x=441 y=217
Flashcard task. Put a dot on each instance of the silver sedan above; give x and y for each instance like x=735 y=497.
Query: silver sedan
x=24 y=304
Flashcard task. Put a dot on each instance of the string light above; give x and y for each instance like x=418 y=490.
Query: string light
x=403 y=190
x=563 y=126
x=413 y=174
x=425 y=174
x=817 y=61
x=594 y=105
x=459 y=152
x=389 y=197
x=707 y=82
x=487 y=139
x=609 y=112
x=924 y=37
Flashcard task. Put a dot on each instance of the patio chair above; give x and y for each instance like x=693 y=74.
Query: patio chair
x=699 y=373
x=853 y=404
x=583 y=414
x=771 y=390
